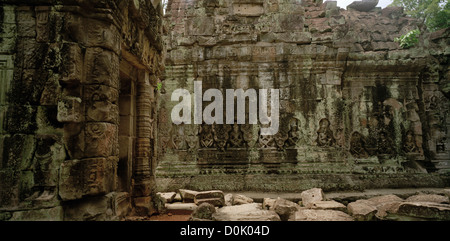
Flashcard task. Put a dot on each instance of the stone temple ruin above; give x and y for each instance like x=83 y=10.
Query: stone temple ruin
x=85 y=102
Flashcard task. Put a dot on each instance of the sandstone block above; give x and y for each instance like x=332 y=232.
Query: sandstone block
x=203 y=212
x=268 y=203
x=320 y=215
x=181 y=206
x=364 y=5
x=46 y=214
x=239 y=199
x=248 y=10
x=102 y=139
x=362 y=210
x=90 y=176
x=70 y=109
x=434 y=198
x=386 y=204
x=311 y=195
x=187 y=195
x=166 y=197
x=245 y=212
x=215 y=198
x=228 y=199
x=285 y=208
x=333 y=205
x=420 y=211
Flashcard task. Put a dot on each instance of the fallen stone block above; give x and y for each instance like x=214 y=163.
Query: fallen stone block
x=385 y=204
x=215 y=198
x=362 y=210
x=245 y=212
x=166 y=197
x=203 y=212
x=364 y=5
x=187 y=195
x=239 y=199
x=320 y=215
x=434 y=198
x=228 y=199
x=378 y=200
x=180 y=208
x=331 y=205
x=285 y=208
x=415 y=211
x=310 y=196
x=268 y=203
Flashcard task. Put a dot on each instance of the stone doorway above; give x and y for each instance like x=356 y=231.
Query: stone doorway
x=127 y=126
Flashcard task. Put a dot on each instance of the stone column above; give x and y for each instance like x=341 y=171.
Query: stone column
x=142 y=163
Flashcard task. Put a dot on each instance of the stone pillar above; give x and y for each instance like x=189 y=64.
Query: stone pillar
x=142 y=164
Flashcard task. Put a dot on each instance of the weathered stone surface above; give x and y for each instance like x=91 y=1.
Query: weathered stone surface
x=91 y=176
x=180 y=206
x=48 y=214
x=447 y=192
x=59 y=99
x=285 y=208
x=420 y=211
x=310 y=196
x=228 y=199
x=245 y=212
x=143 y=206
x=428 y=198
x=362 y=210
x=93 y=209
x=239 y=199
x=332 y=205
x=385 y=199
x=70 y=109
x=320 y=215
x=386 y=204
x=268 y=203
x=204 y=211
x=215 y=198
x=167 y=197
x=187 y=195
x=364 y=5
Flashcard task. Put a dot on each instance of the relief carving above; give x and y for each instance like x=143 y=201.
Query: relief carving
x=357 y=145
x=293 y=135
x=280 y=140
x=163 y=130
x=249 y=138
x=221 y=136
x=409 y=145
x=206 y=136
x=236 y=137
x=324 y=134
x=178 y=139
x=385 y=145
x=265 y=141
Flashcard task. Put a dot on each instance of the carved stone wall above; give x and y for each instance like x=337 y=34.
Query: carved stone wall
x=62 y=68
x=355 y=108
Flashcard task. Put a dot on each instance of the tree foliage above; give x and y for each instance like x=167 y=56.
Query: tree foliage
x=408 y=40
x=435 y=14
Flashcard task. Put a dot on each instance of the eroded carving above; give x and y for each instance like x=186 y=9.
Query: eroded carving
x=324 y=134
x=410 y=145
x=357 y=145
x=236 y=137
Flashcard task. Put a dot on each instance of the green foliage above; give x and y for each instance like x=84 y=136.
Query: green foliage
x=408 y=40
x=159 y=86
x=435 y=14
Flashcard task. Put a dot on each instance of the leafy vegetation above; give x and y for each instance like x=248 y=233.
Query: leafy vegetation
x=435 y=14
x=408 y=40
